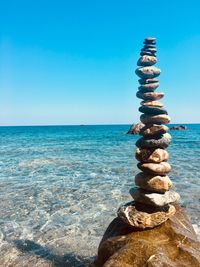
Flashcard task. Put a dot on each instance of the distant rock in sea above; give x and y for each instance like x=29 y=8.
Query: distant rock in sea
x=135 y=128
x=179 y=127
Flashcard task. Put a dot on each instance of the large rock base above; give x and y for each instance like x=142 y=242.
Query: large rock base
x=172 y=244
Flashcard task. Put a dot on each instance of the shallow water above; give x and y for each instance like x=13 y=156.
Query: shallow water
x=60 y=186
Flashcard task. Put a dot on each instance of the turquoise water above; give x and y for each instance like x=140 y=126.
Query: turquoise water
x=60 y=186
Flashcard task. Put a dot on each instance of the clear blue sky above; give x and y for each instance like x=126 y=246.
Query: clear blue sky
x=73 y=61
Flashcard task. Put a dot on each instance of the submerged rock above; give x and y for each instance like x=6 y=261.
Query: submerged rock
x=172 y=244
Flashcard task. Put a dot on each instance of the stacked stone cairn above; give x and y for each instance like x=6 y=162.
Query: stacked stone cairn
x=153 y=202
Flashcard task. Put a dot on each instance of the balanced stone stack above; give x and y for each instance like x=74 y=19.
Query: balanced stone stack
x=153 y=202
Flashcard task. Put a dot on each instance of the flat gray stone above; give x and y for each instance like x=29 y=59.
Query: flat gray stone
x=154 y=199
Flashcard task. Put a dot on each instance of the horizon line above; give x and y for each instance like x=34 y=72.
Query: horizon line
x=82 y=125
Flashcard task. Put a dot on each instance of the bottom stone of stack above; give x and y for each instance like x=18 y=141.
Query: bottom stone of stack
x=142 y=216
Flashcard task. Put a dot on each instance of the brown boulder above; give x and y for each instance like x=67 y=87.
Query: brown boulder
x=172 y=244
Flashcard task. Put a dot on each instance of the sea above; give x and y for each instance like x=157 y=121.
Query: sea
x=61 y=186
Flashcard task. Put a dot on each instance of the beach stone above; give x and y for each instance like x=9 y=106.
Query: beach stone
x=154 y=129
x=145 y=81
x=146 y=60
x=155 y=168
x=172 y=244
x=148 y=72
x=148 y=86
x=152 y=183
x=152 y=110
x=152 y=104
x=142 y=217
x=150 y=39
x=151 y=155
x=149 y=46
x=158 y=119
x=160 y=141
x=149 y=49
x=147 y=53
x=150 y=95
x=154 y=199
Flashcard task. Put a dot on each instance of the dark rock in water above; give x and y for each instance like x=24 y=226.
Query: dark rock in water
x=180 y=127
x=135 y=128
x=145 y=81
x=160 y=141
x=152 y=110
x=172 y=244
x=155 y=168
